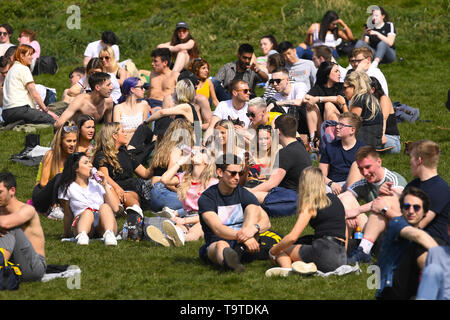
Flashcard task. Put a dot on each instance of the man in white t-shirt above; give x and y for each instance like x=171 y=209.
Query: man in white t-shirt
x=93 y=49
x=287 y=92
x=361 y=60
x=6 y=32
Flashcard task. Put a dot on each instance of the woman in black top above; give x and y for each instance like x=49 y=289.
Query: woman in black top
x=391 y=134
x=326 y=215
x=362 y=102
x=118 y=166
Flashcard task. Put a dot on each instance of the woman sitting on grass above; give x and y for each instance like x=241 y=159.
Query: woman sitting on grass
x=201 y=68
x=113 y=160
x=45 y=191
x=111 y=66
x=86 y=134
x=90 y=203
x=326 y=249
x=190 y=185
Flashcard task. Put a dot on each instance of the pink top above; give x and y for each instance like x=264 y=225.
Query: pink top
x=37 y=49
x=190 y=203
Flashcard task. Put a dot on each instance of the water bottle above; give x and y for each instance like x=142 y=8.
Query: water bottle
x=358 y=233
x=315 y=38
x=95 y=175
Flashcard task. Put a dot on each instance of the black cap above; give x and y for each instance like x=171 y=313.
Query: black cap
x=181 y=25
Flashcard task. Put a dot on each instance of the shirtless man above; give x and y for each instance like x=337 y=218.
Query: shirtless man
x=162 y=78
x=96 y=103
x=21 y=234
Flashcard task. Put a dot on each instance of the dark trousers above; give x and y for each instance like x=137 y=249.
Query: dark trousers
x=27 y=114
x=44 y=197
x=142 y=141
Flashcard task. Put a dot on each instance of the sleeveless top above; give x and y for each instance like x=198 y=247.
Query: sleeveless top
x=330 y=221
x=204 y=90
x=131 y=122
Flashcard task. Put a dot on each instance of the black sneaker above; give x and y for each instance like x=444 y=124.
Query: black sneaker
x=231 y=260
x=135 y=225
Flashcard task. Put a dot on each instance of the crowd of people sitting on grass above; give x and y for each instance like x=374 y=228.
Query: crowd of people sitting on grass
x=218 y=162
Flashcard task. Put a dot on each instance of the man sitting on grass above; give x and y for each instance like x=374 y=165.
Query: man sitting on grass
x=231 y=218
x=21 y=234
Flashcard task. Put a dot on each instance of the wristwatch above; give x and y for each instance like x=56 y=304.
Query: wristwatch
x=330 y=183
x=320 y=99
x=384 y=210
x=258 y=227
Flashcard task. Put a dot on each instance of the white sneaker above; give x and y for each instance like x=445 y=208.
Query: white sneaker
x=109 y=238
x=166 y=212
x=82 y=238
x=173 y=232
x=56 y=213
x=156 y=235
x=304 y=268
x=278 y=271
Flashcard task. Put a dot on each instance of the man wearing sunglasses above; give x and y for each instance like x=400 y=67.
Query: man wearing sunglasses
x=241 y=69
x=6 y=32
x=96 y=103
x=404 y=247
x=231 y=218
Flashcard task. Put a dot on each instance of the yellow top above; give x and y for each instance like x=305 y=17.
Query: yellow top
x=204 y=90
x=272 y=115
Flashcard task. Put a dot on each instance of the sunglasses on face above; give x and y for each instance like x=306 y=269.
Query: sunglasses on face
x=244 y=90
x=416 y=207
x=356 y=60
x=3 y=34
x=105 y=58
x=234 y=173
x=250 y=114
x=140 y=87
x=70 y=129
x=275 y=81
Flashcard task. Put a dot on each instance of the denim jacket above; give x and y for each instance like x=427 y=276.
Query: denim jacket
x=391 y=252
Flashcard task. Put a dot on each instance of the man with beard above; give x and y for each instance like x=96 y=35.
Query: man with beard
x=241 y=69
x=96 y=103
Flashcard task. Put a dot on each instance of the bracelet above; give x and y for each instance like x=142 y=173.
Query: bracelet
x=330 y=183
x=320 y=99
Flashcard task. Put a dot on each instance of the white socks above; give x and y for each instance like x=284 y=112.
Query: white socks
x=366 y=245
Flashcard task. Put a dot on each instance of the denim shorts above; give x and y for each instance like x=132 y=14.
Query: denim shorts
x=328 y=255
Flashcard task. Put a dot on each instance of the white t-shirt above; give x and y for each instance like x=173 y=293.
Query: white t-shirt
x=372 y=72
x=298 y=91
x=93 y=50
x=15 y=94
x=82 y=198
x=225 y=109
x=4 y=47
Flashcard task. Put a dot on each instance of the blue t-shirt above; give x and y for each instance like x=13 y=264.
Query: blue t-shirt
x=340 y=160
x=392 y=249
x=438 y=191
x=230 y=209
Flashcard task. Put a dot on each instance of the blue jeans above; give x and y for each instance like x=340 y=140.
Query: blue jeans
x=393 y=141
x=431 y=284
x=163 y=197
x=221 y=93
x=385 y=53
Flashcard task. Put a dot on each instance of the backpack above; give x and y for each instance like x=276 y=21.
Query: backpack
x=10 y=274
x=403 y=112
x=45 y=64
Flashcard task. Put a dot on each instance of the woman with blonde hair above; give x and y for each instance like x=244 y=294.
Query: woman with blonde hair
x=358 y=92
x=167 y=152
x=111 y=66
x=63 y=144
x=19 y=92
x=118 y=166
x=326 y=249
x=190 y=184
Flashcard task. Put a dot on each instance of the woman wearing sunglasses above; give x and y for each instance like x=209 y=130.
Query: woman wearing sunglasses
x=111 y=66
x=91 y=203
x=399 y=261
x=45 y=193
x=20 y=94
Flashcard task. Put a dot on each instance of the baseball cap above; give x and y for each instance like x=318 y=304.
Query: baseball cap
x=182 y=25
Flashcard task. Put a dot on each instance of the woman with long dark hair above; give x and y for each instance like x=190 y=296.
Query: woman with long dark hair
x=91 y=202
x=327 y=32
x=86 y=134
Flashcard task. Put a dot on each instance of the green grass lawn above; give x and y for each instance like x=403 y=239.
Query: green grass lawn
x=146 y=271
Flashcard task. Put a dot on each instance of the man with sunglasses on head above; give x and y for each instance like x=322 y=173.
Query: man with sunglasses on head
x=404 y=247
x=231 y=218
x=241 y=69
x=97 y=103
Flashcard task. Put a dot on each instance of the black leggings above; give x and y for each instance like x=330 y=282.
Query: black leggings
x=44 y=197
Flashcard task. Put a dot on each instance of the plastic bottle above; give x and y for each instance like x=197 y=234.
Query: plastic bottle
x=358 y=233
x=315 y=39
x=95 y=175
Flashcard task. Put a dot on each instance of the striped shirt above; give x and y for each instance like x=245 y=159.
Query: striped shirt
x=367 y=191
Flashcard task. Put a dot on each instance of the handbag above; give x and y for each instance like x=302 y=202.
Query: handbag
x=10 y=274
